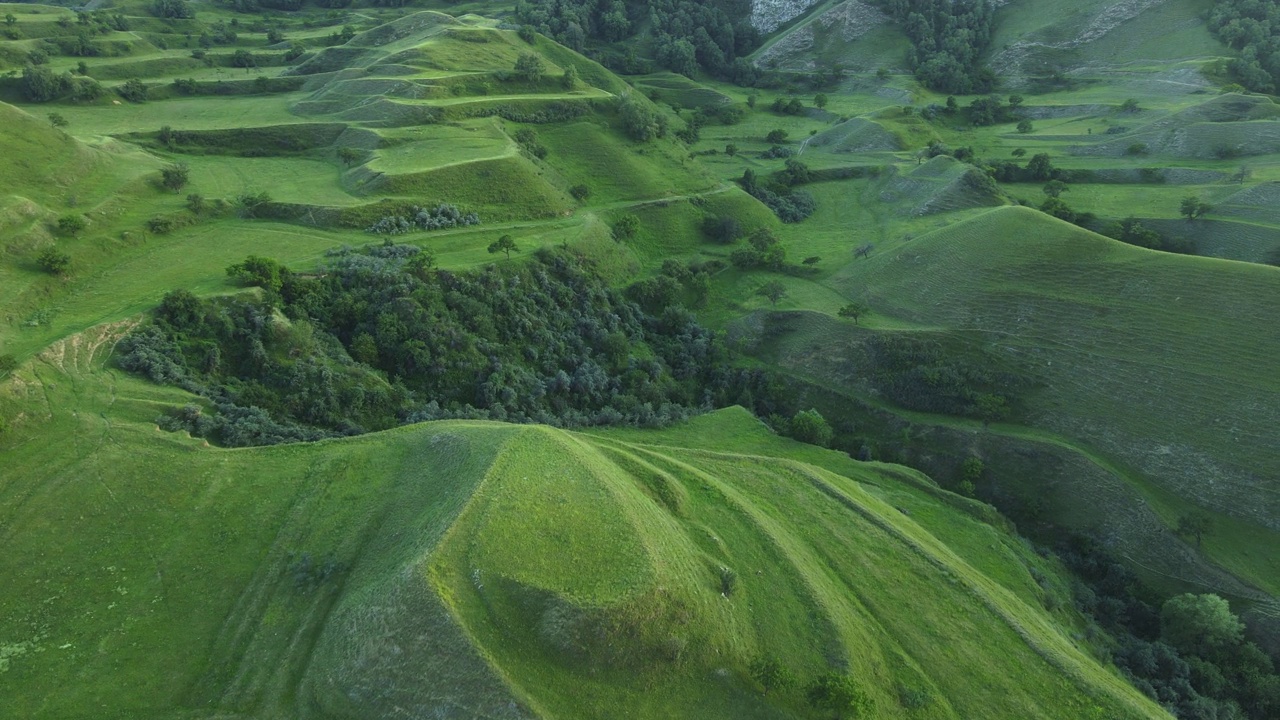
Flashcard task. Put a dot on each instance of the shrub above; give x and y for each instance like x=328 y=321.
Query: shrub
x=175 y=177
x=809 y=426
x=723 y=229
x=54 y=261
x=437 y=218
x=162 y=225
x=133 y=90
x=8 y=364
x=530 y=67
x=71 y=224
x=838 y=693
x=626 y=227
x=580 y=192
x=771 y=675
x=776 y=136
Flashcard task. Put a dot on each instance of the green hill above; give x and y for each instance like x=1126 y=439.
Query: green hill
x=490 y=570
x=1149 y=360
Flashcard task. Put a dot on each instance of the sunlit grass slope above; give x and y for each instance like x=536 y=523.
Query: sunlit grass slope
x=488 y=570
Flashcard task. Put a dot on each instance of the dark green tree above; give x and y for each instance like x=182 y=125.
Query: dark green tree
x=54 y=261
x=838 y=693
x=1195 y=525
x=1055 y=188
x=1193 y=207
x=808 y=426
x=348 y=156
x=133 y=90
x=1040 y=166
x=854 y=310
x=71 y=224
x=774 y=291
x=175 y=177
x=569 y=80
x=626 y=227
x=530 y=67
x=770 y=675
x=505 y=244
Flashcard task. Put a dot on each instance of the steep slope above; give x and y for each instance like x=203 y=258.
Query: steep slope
x=487 y=570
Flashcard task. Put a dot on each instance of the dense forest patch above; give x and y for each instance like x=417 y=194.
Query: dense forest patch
x=380 y=337
x=948 y=39
x=715 y=36
x=1253 y=28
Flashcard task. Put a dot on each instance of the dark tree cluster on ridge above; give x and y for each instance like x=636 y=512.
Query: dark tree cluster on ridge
x=380 y=337
x=948 y=39
x=715 y=36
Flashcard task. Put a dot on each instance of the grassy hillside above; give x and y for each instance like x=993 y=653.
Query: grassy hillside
x=1172 y=403
x=498 y=570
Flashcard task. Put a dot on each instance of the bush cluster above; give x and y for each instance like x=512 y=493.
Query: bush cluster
x=437 y=218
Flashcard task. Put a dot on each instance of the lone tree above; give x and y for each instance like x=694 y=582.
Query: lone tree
x=570 y=78
x=1195 y=525
x=1055 y=188
x=1025 y=127
x=529 y=67
x=776 y=136
x=505 y=244
x=1193 y=207
x=8 y=364
x=53 y=260
x=1040 y=166
x=57 y=120
x=71 y=224
x=243 y=59
x=730 y=149
x=808 y=426
x=348 y=156
x=175 y=176
x=774 y=290
x=854 y=310
x=820 y=101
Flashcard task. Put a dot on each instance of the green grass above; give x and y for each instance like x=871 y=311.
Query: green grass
x=489 y=555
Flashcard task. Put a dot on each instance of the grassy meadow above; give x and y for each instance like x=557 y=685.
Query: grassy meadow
x=526 y=571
